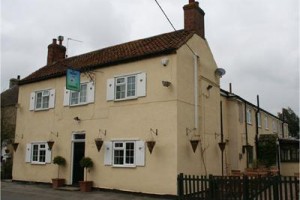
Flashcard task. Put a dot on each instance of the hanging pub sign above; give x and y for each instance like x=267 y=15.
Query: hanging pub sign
x=73 y=80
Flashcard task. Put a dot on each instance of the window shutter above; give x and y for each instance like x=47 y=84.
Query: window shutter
x=140 y=153
x=66 y=97
x=141 y=85
x=108 y=153
x=110 y=89
x=28 y=153
x=32 y=101
x=48 y=154
x=90 y=92
x=52 y=98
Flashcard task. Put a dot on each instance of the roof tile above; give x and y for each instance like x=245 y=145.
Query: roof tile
x=135 y=50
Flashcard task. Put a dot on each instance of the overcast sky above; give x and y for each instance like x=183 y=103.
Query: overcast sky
x=255 y=41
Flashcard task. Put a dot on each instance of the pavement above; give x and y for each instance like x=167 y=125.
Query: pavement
x=25 y=191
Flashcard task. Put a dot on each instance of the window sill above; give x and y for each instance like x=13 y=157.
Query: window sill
x=81 y=104
x=41 y=109
x=124 y=166
x=125 y=99
x=38 y=163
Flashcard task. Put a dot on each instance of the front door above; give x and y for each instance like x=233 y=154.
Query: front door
x=78 y=153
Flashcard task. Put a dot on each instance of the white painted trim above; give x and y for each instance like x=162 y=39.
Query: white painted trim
x=72 y=152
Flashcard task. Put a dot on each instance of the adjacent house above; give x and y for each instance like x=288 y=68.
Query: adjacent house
x=164 y=89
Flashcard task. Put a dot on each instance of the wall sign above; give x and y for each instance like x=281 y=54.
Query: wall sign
x=73 y=80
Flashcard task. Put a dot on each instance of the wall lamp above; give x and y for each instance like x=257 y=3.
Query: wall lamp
x=77 y=119
x=166 y=83
x=209 y=87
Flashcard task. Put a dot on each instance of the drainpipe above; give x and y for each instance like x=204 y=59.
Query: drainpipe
x=282 y=123
x=222 y=136
x=196 y=90
x=256 y=136
x=246 y=131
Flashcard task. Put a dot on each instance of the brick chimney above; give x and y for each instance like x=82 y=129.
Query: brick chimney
x=14 y=81
x=56 y=51
x=194 y=18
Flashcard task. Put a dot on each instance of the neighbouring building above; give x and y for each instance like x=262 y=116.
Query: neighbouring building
x=9 y=100
x=153 y=89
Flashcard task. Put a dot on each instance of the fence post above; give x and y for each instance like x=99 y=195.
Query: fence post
x=275 y=183
x=211 y=187
x=180 y=186
x=245 y=187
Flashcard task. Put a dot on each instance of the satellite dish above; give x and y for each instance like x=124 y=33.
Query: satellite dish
x=220 y=72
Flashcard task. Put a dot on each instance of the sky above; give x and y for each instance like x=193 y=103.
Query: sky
x=255 y=41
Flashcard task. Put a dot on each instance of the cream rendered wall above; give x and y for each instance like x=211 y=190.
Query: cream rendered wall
x=130 y=119
x=208 y=108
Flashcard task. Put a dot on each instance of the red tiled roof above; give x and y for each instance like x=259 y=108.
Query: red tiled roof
x=161 y=44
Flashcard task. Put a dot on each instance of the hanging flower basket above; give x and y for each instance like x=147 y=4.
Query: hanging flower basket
x=99 y=143
x=150 y=145
x=222 y=145
x=15 y=145
x=194 y=143
x=50 y=144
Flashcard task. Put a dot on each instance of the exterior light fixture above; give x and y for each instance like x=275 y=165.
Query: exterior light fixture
x=166 y=83
x=209 y=87
x=220 y=72
x=77 y=119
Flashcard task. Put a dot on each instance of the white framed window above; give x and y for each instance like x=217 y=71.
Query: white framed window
x=38 y=153
x=124 y=153
x=259 y=119
x=86 y=95
x=249 y=116
x=266 y=123
x=128 y=153
x=126 y=87
x=42 y=100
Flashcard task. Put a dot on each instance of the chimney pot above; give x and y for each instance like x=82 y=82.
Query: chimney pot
x=191 y=1
x=54 y=41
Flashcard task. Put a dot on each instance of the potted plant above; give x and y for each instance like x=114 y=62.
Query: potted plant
x=86 y=163
x=58 y=182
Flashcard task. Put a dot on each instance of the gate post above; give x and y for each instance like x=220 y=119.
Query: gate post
x=245 y=187
x=180 y=191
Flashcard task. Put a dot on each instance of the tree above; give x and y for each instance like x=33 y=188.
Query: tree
x=290 y=117
x=267 y=149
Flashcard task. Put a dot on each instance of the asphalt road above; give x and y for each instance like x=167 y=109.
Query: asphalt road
x=20 y=191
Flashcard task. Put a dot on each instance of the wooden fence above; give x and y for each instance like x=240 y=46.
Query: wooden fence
x=236 y=188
